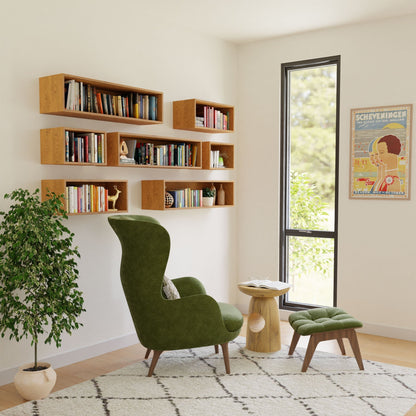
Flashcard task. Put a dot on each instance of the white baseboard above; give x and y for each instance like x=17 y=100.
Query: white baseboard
x=71 y=357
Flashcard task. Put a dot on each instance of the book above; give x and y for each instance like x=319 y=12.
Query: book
x=266 y=284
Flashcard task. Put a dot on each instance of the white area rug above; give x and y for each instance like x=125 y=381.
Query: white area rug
x=194 y=383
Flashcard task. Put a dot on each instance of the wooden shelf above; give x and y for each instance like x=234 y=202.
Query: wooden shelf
x=114 y=143
x=52 y=98
x=186 y=111
x=53 y=146
x=153 y=192
x=58 y=186
x=226 y=151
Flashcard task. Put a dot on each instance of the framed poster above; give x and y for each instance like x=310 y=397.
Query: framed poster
x=380 y=152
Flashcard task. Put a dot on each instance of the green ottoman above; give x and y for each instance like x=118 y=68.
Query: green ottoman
x=323 y=324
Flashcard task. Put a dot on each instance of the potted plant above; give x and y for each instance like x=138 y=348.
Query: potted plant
x=38 y=289
x=208 y=197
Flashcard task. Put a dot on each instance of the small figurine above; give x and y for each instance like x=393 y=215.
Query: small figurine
x=113 y=199
x=124 y=150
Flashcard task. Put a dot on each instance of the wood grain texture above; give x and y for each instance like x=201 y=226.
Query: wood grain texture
x=52 y=146
x=52 y=98
x=185 y=111
x=226 y=151
x=263 y=326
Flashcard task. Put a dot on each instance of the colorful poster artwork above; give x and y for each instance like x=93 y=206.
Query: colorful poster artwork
x=380 y=152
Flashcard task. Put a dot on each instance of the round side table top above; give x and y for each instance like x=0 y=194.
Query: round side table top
x=260 y=292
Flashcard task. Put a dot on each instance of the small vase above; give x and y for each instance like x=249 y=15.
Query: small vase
x=34 y=385
x=221 y=196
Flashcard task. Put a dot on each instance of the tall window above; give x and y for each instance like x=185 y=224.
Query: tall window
x=309 y=181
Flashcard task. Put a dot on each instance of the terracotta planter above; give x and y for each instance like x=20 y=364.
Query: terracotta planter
x=34 y=385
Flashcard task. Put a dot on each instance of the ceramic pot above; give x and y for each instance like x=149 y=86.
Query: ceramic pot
x=207 y=201
x=34 y=385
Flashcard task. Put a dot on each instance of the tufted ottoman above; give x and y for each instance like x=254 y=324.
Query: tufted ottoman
x=323 y=324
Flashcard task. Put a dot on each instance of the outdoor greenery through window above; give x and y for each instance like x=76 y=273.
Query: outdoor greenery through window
x=309 y=181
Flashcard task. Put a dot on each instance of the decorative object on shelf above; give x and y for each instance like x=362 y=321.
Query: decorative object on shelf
x=221 y=196
x=169 y=200
x=38 y=251
x=186 y=194
x=124 y=150
x=217 y=155
x=113 y=199
x=214 y=189
x=208 y=196
x=154 y=151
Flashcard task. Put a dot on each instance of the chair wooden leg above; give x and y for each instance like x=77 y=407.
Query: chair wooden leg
x=224 y=348
x=341 y=345
x=313 y=342
x=147 y=353
x=352 y=336
x=216 y=349
x=294 y=342
x=156 y=355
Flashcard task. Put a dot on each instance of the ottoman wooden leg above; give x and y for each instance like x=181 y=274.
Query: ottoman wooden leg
x=294 y=342
x=352 y=336
x=313 y=342
x=341 y=346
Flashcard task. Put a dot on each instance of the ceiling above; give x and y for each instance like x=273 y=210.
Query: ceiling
x=241 y=21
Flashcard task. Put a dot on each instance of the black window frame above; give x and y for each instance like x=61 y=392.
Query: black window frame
x=285 y=232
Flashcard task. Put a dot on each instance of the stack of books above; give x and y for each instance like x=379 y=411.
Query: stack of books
x=86 y=198
x=85 y=97
x=84 y=147
x=186 y=198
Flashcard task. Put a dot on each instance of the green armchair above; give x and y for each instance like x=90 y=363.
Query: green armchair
x=193 y=320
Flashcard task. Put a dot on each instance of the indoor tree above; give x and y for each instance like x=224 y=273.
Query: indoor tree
x=38 y=270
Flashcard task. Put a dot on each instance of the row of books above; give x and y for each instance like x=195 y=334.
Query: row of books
x=215 y=160
x=213 y=118
x=84 y=147
x=171 y=154
x=86 y=97
x=86 y=198
x=186 y=198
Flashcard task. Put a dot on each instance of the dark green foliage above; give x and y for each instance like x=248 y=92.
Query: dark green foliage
x=207 y=192
x=38 y=270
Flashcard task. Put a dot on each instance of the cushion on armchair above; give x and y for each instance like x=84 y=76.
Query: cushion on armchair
x=169 y=289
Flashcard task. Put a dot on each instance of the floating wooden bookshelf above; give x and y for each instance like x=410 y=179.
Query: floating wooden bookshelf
x=55 y=151
x=226 y=151
x=52 y=99
x=115 y=139
x=185 y=113
x=153 y=192
x=58 y=186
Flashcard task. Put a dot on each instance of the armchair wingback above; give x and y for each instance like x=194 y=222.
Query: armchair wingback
x=193 y=320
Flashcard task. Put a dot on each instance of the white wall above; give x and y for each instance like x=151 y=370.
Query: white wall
x=376 y=273
x=107 y=41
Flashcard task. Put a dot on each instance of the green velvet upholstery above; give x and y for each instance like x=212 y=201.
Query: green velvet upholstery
x=322 y=320
x=194 y=320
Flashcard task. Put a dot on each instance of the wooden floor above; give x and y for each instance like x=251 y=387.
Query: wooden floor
x=387 y=350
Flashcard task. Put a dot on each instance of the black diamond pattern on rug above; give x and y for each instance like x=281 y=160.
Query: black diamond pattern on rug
x=194 y=383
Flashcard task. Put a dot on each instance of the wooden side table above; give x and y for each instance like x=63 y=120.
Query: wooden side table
x=263 y=325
